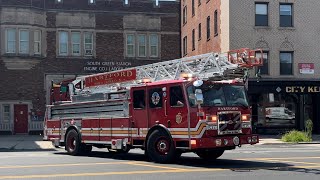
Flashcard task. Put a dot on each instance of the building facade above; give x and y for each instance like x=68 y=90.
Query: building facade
x=288 y=93
x=45 y=41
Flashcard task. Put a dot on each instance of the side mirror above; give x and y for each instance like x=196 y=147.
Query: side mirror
x=199 y=96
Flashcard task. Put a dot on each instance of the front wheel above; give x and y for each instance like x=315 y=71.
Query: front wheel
x=73 y=145
x=160 y=147
x=210 y=154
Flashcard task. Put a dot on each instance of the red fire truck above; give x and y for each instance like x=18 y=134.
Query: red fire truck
x=195 y=104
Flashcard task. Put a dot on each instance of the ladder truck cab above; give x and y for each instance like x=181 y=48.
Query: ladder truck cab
x=195 y=104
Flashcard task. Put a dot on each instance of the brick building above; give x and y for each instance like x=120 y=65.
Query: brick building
x=53 y=40
x=288 y=93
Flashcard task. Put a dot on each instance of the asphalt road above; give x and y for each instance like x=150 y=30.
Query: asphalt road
x=294 y=162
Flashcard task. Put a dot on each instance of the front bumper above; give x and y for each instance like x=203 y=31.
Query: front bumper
x=224 y=141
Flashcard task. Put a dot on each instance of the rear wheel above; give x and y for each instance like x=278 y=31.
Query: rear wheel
x=210 y=154
x=73 y=145
x=160 y=147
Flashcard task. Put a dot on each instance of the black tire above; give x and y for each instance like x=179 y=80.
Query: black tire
x=160 y=147
x=210 y=154
x=73 y=144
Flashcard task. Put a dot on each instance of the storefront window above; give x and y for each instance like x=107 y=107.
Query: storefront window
x=277 y=110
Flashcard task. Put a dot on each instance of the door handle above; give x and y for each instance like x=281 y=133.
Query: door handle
x=165 y=108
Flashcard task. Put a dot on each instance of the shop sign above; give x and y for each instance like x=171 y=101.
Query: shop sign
x=306 y=68
x=302 y=89
x=105 y=66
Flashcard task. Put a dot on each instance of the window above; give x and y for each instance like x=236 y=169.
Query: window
x=216 y=22
x=261 y=14
x=208 y=28
x=199 y=32
x=184 y=15
x=59 y=1
x=176 y=96
x=11 y=41
x=126 y=2
x=286 y=15
x=37 y=42
x=23 y=41
x=88 y=43
x=193 y=43
x=185 y=43
x=154 y=42
x=139 y=101
x=265 y=68
x=91 y=2
x=286 y=63
x=130 y=45
x=63 y=43
x=6 y=113
x=155 y=98
x=75 y=41
x=193 y=10
x=142 y=45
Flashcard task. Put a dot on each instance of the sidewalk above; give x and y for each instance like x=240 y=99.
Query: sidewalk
x=35 y=142
x=24 y=143
x=276 y=139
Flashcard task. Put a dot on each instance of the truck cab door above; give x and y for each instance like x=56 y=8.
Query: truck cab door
x=139 y=113
x=176 y=107
x=157 y=98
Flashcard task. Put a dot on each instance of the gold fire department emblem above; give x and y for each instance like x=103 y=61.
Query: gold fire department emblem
x=178 y=118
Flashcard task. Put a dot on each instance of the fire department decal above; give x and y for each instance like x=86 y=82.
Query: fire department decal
x=178 y=118
x=155 y=98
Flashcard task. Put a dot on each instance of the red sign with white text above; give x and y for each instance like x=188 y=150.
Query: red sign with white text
x=111 y=77
x=306 y=68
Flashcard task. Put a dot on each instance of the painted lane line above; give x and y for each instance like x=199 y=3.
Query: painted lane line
x=61 y=165
x=106 y=173
x=155 y=166
x=147 y=172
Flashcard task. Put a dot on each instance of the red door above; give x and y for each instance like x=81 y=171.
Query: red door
x=20 y=118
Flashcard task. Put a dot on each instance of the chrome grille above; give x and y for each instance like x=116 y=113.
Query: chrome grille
x=229 y=122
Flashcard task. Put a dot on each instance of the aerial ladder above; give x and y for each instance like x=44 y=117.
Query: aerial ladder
x=210 y=66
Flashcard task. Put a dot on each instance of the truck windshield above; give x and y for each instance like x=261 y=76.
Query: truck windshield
x=220 y=95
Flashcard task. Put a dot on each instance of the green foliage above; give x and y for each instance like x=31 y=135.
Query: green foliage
x=309 y=128
x=295 y=136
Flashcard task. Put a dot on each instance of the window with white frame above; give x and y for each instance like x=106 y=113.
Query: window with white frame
x=142 y=45
x=37 y=42
x=6 y=112
x=130 y=45
x=63 y=43
x=23 y=41
x=154 y=43
x=88 y=43
x=11 y=40
x=75 y=40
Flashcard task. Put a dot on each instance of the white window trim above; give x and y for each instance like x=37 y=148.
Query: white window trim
x=7 y=39
x=3 y=113
x=28 y=41
x=145 y=45
x=35 y=42
x=63 y=54
x=84 y=43
x=133 y=44
x=150 y=45
x=73 y=43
